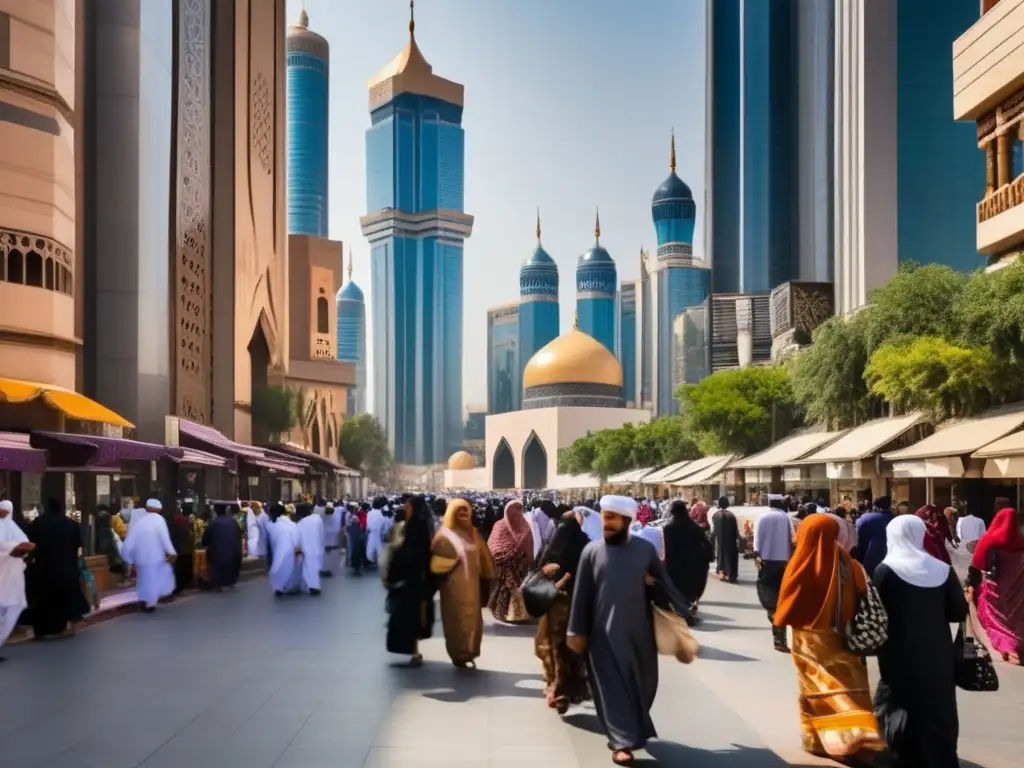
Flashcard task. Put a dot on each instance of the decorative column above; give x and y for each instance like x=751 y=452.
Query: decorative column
x=1003 y=158
x=990 y=168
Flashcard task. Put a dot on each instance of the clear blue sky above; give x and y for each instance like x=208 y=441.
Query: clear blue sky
x=569 y=106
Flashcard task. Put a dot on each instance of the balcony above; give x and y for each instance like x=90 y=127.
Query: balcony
x=1001 y=218
x=988 y=60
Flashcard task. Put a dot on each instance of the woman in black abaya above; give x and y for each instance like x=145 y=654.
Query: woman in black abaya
x=688 y=553
x=410 y=590
x=54 y=594
x=727 y=542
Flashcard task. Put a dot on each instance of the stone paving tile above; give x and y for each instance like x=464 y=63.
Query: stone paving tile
x=245 y=680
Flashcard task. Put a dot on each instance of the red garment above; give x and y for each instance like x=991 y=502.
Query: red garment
x=510 y=534
x=936 y=532
x=699 y=514
x=643 y=514
x=1004 y=534
x=362 y=519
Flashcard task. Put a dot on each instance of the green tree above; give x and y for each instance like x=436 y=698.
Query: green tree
x=738 y=411
x=828 y=377
x=613 y=450
x=578 y=458
x=663 y=441
x=275 y=411
x=364 y=446
x=918 y=301
x=932 y=375
x=991 y=315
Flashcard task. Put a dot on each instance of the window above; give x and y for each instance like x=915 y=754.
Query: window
x=48 y=275
x=15 y=267
x=322 y=318
x=34 y=269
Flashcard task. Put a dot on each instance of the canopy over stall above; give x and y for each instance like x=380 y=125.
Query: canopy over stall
x=72 y=451
x=663 y=474
x=630 y=476
x=18 y=455
x=701 y=472
x=71 y=404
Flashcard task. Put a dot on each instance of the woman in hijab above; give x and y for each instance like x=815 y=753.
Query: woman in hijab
x=847 y=531
x=996 y=584
x=355 y=537
x=819 y=594
x=727 y=542
x=54 y=593
x=511 y=546
x=408 y=581
x=565 y=672
x=688 y=553
x=699 y=514
x=916 y=697
x=936 y=532
x=461 y=558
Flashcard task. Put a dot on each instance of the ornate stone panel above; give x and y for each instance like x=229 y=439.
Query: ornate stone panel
x=192 y=385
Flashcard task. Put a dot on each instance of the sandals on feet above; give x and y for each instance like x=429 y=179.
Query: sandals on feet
x=623 y=757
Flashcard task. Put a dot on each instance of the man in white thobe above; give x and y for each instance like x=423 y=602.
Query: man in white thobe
x=311 y=541
x=14 y=545
x=286 y=554
x=332 y=539
x=255 y=542
x=374 y=534
x=148 y=547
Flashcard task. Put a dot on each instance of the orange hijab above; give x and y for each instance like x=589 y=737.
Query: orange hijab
x=810 y=586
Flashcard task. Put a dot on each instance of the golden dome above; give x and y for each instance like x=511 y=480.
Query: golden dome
x=573 y=358
x=461 y=460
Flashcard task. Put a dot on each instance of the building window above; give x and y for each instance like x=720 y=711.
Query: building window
x=322 y=316
x=34 y=269
x=15 y=267
x=48 y=275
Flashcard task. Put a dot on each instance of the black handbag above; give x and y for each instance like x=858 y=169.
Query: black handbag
x=973 y=669
x=868 y=630
x=539 y=593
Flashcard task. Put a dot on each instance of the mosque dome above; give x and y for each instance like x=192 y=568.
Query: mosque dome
x=672 y=188
x=573 y=358
x=461 y=460
x=595 y=255
x=540 y=258
x=301 y=39
x=351 y=292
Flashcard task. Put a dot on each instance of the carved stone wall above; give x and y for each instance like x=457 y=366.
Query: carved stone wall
x=192 y=264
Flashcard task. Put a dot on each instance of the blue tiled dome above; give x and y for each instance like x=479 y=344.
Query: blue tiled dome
x=540 y=257
x=597 y=254
x=351 y=292
x=672 y=188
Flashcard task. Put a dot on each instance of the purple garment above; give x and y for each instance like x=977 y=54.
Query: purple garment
x=871 y=539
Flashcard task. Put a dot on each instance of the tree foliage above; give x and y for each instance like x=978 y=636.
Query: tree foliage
x=610 y=451
x=991 y=315
x=364 y=446
x=932 y=375
x=738 y=411
x=918 y=301
x=275 y=411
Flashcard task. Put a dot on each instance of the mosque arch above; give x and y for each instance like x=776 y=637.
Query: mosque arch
x=503 y=466
x=535 y=464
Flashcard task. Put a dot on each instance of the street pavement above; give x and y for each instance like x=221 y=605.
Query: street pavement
x=244 y=679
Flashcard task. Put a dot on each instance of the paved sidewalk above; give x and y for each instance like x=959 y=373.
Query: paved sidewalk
x=243 y=679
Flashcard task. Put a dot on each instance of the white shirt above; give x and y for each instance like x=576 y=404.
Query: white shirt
x=12 y=569
x=970 y=528
x=148 y=541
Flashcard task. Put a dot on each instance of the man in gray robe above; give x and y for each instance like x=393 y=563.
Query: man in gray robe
x=612 y=622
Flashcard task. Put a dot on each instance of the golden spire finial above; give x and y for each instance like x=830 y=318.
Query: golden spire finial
x=538 y=225
x=412 y=17
x=350 y=263
x=672 y=157
x=597 y=226
x=576 y=319
x=303 y=18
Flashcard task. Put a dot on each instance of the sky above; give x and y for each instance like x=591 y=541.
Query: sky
x=570 y=105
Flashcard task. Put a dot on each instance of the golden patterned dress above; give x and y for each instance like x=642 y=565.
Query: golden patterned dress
x=460 y=557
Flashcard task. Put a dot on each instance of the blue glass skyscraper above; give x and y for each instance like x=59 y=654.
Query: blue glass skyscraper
x=416 y=225
x=679 y=280
x=308 y=68
x=627 y=340
x=504 y=372
x=352 y=338
x=538 y=303
x=595 y=292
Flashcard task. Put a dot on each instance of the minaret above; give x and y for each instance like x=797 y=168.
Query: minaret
x=596 y=288
x=538 y=303
x=351 y=342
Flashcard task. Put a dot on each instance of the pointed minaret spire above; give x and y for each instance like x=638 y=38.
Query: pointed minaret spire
x=672 y=156
x=412 y=18
x=597 y=226
x=350 y=263
x=303 y=18
x=538 y=225
x=576 y=319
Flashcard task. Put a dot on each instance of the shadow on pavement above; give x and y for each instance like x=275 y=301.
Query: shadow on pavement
x=446 y=683
x=510 y=630
x=725 y=604
x=705 y=617
x=708 y=653
x=671 y=753
x=585 y=721
x=710 y=626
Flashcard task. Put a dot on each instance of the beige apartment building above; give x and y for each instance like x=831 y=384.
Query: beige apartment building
x=988 y=88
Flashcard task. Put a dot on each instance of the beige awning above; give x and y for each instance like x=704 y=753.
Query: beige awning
x=630 y=476
x=714 y=465
x=1011 y=445
x=865 y=440
x=787 y=451
x=575 y=482
x=663 y=474
x=965 y=436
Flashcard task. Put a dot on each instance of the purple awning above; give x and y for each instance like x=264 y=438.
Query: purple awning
x=295 y=454
x=71 y=450
x=276 y=465
x=18 y=455
x=196 y=458
x=192 y=435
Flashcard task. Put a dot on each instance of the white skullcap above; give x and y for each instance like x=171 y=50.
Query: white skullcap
x=154 y=504
x=7 y=506
x=620 y=505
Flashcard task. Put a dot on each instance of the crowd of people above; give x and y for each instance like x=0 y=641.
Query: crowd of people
x=608 y=566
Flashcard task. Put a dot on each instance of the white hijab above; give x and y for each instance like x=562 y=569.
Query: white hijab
x=9 y=530
x=906 y=556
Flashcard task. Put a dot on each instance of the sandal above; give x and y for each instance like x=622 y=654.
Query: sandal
x=561 y=705
x=416 y=660
x=623 y=757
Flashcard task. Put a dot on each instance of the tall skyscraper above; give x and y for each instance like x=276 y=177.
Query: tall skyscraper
x=769 y=143
x=538 y=303
x=308 y=68
x=595 y=291
x=679 y=279
x=352 y=338
x=504 y=370
x=627 y=340
x=416 y=226
x=894 y=201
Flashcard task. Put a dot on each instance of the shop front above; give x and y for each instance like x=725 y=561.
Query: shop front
x=702 y=479
x=656 y=485
x=773 y=470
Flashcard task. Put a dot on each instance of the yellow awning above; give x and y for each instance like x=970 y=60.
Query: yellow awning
x=71 y=404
